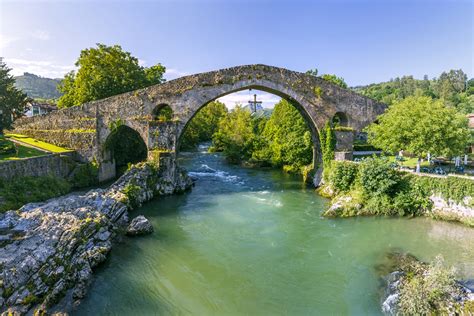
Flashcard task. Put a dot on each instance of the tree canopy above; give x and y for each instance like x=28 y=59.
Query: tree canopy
x=203 y=126
x=420 y=125
x=452 y=87
x=12 y=100
x=105 y=71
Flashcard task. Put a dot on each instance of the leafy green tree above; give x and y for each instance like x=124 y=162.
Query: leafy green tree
x=286 y=139
x=12 y=100
x=105 y=71
x=420 y=125
x=236 y=135
x=203 y=125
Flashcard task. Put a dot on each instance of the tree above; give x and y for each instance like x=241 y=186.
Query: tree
x=12 y=100
x=236 y=135
x=105 y=71
x=420 y=125
x=285 y=139
x=203 y=125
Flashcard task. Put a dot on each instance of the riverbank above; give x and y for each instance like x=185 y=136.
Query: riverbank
x=49 y=250
x=373 y=187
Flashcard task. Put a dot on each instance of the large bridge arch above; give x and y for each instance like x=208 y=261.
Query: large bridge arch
x=86 y=127
x=209 y=95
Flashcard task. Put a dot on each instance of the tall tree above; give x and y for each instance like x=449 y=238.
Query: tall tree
x=203 y=125
x=236 y=135
x=286 y=138
x=105 y=71
x=420 y=125
x=12 y=100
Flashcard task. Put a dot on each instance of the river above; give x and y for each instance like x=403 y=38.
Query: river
x=252 y=242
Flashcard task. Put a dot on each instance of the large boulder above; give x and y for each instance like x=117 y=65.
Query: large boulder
x=140 y=225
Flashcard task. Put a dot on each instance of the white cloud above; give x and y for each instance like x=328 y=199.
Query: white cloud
x=5 y=41
x=141 y=62
x=41 y=35
x=42 y=68
x=172 y=73
x=243 y=97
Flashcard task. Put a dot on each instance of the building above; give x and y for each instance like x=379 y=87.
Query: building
x=35 y=108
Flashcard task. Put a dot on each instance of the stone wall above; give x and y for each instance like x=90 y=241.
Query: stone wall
x=54 y=165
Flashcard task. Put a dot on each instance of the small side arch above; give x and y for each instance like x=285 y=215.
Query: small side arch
x=125 y=145
x=340 y=119
x=163 y=113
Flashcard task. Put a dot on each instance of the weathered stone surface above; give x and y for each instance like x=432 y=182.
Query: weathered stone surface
x=140 y=225
x=55 y=164
x=87 y=127
x=60 y=241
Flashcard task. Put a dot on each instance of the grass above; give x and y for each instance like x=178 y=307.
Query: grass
x=22 y=152
x=37 y=143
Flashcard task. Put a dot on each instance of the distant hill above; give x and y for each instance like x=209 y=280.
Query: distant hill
x=261 y=111
x=37 y=87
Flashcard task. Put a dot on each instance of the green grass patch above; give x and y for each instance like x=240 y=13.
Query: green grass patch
x=12 y=151
x=37 y=143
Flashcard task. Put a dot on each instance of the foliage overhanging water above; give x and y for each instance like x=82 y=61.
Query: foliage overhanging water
x=248 y=241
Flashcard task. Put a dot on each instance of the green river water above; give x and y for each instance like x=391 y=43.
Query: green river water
x=252 y=242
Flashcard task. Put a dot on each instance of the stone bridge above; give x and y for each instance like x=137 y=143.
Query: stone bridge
x=86 y=128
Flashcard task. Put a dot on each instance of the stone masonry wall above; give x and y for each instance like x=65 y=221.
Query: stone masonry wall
x=54 y=165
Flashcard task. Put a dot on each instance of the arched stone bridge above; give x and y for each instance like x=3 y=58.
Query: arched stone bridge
x=86 y=128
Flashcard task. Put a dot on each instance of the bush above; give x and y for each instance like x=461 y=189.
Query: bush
x=7 y=147
x=427 y=290
x=342 y=175
x=377 y=177
x=85 y=175
x=19 y=191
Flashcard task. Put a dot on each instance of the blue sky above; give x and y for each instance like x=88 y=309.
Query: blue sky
x=362 y=41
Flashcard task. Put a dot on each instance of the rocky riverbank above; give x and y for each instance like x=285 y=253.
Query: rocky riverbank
x=417 y=288
x=48 y=250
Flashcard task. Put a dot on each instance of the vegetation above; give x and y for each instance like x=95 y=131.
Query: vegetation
x=331 y=78
x=373 y=187
x=451 y=87
x=204 y=125
x=12 y=100
x=420 y=125
x=18 y=191
x=105 y=71
x=85 y=175
x=236 y=135
x=428 y=289
x=37 y=87
x=283 y=140
x=327 y=141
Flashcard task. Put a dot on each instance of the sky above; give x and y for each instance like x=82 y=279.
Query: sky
x=363 y=41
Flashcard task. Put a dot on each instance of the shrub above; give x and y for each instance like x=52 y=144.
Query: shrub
x=343 y=175
x=85 y=175
x=132 y=191
x=377 y=177
x=427 y=290
x=19 y=191
x=7 y=147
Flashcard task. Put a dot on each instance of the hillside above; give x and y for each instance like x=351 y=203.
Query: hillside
x=38 y=87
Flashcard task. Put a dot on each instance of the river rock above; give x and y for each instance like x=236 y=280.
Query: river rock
x=54 y=245
x=140 y=225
